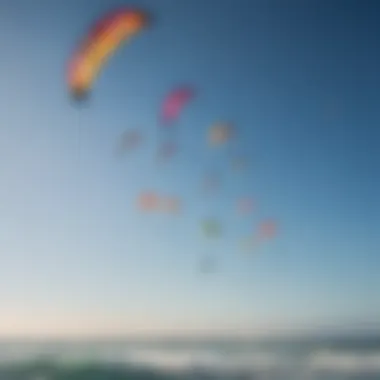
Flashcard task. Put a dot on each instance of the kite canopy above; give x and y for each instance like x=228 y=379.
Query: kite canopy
x=128 y=141
x=267 y=229
x=104 y=38
x=148 y=201
x=174 y=103
x=220 y=133
x=212 y=228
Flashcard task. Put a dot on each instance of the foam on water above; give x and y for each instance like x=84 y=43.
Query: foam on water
x=308 y=362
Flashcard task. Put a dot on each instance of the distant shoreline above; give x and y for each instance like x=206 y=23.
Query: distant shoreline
x=345 y=337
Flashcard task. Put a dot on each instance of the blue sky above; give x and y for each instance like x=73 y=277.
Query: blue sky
x=301 y=82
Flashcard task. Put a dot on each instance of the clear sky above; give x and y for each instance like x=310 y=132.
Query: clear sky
x=301 y=81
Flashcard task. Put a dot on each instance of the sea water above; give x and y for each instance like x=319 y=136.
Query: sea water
x=265 y=359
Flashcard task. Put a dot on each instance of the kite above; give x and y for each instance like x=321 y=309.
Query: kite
x=105 y=37
x=128 y=141
x=267 y=230
x=212 y=228
x=220 y=133
x=174 y=103
x=148 y=201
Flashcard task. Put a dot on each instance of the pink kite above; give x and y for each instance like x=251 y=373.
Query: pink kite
x=174 y=103
x=267 y=229
x=148 y=201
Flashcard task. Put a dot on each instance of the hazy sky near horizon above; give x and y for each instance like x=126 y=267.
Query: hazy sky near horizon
x=301 y=81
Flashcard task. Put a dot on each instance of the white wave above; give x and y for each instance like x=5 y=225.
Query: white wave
x=207 y=360
x=210 y=360
x=335 y=361
x=168 y=359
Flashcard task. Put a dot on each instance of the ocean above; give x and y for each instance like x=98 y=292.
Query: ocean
x=264 y=359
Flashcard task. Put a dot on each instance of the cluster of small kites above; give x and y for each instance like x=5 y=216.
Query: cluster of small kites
x=104 y=38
